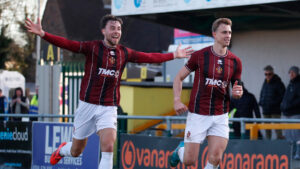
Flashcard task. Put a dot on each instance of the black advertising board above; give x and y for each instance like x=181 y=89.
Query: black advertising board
x=144 y=152
x=15 y=147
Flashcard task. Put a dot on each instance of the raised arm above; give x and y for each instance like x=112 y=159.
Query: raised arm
x=37 y=29
x=177 y=88
x=34 y=28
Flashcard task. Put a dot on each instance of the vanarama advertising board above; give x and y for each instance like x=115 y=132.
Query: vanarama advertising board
x=144 y=152
x=47 y=137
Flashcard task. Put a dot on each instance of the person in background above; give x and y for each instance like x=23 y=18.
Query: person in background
x=270 y=98
x=2 y=105
x=245 y=106
x=34 y=104
x=19 y=104
x=290 y=106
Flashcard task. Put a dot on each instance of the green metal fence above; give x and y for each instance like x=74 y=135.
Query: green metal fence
x=72 y=74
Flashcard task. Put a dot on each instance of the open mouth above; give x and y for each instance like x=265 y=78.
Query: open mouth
x=115 y=37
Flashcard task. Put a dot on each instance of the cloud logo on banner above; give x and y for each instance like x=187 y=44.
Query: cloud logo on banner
x=128 y=155
x=187 y=1
x=118 y=3
x=137 y=3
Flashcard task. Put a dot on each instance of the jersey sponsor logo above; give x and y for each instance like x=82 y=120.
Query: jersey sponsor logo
x=215 y=83
x=220 y=62
x=108 y=73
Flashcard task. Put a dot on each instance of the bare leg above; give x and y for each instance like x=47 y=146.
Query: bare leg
x=78 y=147
x=107 y=140
x=191 y=153
x=216 y=148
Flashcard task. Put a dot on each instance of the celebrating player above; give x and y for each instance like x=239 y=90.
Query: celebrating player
x=100 y=87
x=215 y=67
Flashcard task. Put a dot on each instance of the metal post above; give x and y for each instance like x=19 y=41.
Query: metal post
x=38 y=47
x=63 y=89
x=51 y=89
x=73 y=86
x=243 y=131
x=169 y=130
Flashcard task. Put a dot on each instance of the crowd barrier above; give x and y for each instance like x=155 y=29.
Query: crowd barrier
x=167 y=119
x=270 y=154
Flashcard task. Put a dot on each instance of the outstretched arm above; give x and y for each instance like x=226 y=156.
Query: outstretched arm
x=141 y=57
x=177 y=88
x=37 y=29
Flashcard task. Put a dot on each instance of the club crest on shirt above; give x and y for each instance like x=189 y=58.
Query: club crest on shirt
x=112 y=60
x=219 y=69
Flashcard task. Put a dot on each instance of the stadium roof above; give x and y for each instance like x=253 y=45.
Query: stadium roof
x=198 y=15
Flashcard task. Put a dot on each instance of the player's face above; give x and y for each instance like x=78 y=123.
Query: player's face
x=112 y=33
x=223 y=35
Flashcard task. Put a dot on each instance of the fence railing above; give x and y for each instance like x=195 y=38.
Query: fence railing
x=167 y=119
x=72 y=74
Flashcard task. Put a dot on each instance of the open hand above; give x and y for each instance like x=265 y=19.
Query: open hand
x=183 y=53
x=34 y=28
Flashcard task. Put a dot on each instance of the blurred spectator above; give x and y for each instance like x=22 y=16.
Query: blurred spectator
x=34 y=104
x=2 y=105
x=270 y=98
x=27 y=94
x=19 y=103
x=244 y=108
x=290 y=106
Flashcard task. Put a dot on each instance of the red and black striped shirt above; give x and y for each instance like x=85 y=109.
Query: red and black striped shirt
x=213 y=73
x=104 y=67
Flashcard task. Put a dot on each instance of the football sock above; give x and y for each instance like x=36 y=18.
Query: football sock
x=106 y=161
x=210 y=166
x=66 y=150
x=181 y=153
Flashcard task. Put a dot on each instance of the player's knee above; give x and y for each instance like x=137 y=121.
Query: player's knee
x=76 y=152
x=189 y=162
x=109 y=147
x=215 y=159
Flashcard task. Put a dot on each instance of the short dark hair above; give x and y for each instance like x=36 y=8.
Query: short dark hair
x=0 y=90
x=109 y=17
x=269 y=68
x=220 y=21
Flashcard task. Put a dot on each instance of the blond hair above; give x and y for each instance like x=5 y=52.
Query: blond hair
x=220 y=21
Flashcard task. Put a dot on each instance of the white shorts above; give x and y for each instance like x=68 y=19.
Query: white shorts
x=200 y=126
x=90 y=118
